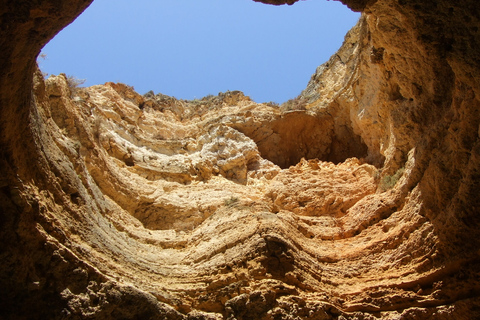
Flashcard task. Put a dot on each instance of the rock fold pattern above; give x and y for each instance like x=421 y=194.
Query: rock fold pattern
x=356 y=200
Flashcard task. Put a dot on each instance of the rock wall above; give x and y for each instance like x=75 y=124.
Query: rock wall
x=360 y=203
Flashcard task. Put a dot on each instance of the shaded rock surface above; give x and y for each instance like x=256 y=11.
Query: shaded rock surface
x=358 y=202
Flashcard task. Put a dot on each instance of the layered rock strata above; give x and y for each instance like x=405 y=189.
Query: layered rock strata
x=359 y=202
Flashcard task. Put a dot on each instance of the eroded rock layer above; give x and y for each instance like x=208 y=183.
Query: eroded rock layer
x=357 y=200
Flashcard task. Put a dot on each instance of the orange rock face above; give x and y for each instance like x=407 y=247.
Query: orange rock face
x=358 y=202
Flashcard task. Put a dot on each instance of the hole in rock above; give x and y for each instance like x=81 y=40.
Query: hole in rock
x=190 y=49
x=296 y=135
x=278 y=261
x=273 y=61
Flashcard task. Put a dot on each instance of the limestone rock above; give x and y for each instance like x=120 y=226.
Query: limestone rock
x=357 y=200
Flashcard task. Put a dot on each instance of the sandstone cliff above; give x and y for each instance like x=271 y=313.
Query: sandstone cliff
x=358 y=200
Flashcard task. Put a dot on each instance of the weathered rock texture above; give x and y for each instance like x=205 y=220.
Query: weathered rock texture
x=359 y=202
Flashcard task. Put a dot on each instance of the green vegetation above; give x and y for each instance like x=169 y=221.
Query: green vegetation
x=231 y=201
x=298 y=103
x=388 y=182
x=209 y=97
x=272 y=104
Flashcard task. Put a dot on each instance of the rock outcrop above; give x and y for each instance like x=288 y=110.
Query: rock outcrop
x=358 y=201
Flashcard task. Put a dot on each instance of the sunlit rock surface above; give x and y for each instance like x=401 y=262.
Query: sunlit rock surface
x=356 y=200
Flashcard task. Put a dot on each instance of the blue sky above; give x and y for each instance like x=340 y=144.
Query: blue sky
x=190 y=48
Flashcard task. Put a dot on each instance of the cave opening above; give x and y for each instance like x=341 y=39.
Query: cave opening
x=261 y=76
x=189 y=49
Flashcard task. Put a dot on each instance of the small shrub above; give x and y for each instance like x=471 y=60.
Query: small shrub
x=231 y=201
x=74 y=84
x=388 y=182
x=272 y=104
x=42 y=57
x=209 y=97
x=298 y=103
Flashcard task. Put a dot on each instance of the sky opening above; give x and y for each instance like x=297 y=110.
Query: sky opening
x=189 y=48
